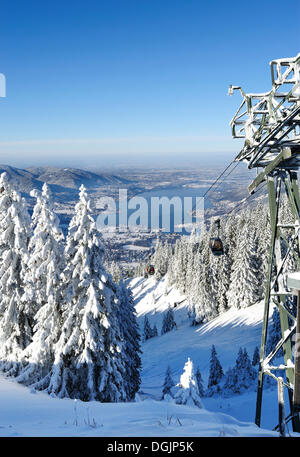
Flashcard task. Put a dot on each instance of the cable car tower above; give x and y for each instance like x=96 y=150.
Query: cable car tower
x=270 y=125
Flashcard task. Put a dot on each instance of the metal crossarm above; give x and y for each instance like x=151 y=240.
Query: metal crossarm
x=268 y=120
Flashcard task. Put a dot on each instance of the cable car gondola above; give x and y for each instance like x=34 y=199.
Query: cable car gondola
x=215 y=243
x=150 y=270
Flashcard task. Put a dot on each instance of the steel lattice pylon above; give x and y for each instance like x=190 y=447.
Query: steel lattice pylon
x=270 y=124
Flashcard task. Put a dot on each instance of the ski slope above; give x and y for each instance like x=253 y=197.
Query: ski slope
x=25 y=412
x=228 y=332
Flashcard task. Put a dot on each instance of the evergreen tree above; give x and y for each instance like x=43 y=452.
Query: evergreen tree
x=180 y=263
x=206 y=306
x=89 y=361
x=187 y=390
x=131 y=340
x=200 y=383
x=196 y=313
x=245 y=285
x=168 y=322
x=246 y=372
x=16 y=318
x=114 y=269
x=242 y=376
x=148 y=332
x=168 y=383
x=154 y=331
x=231 y=381
x=139 y=270
x=256 y=357
x=160 y=259
x=232 y=236
x=224 y=269
x=43 y=289
x=191 y=250
x=215 y=373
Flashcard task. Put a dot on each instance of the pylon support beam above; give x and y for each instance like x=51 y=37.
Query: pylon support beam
x=277 y=292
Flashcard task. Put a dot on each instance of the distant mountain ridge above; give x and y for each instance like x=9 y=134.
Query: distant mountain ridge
x=59 y=179
x=74 y=177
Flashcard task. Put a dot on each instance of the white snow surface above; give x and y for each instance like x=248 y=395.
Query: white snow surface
x=228 y=332
x=25 y=412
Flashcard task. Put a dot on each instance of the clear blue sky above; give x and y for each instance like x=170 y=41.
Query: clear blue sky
x=101 y=82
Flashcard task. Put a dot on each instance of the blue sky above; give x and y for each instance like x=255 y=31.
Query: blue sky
x=93 y=83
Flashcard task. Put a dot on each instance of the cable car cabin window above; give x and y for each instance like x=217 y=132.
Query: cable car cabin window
x=216 y=246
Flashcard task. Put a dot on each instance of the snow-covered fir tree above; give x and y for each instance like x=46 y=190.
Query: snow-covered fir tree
x=242 y=376
x=196 y=317
x=168 y=383
x=187 y=392
x=206 y=304
x=215 y=373
x=114 y=269
x=223 y=276
x=180 y=264
x=131 y=340
x=42 y=289
x=231 y=380
x=245 y=284
x=89 y=361
x=200 y=383
x=256 y=357
x=139 y=269
x=191 y=247
x=154 y=331
x=231 y=236
x=246 y=372
x=16 y=317
x=160 y=259
x=147 y=332
x=168 y=322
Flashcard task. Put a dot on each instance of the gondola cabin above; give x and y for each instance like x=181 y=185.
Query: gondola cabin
x=216 y=246
x=150 y=270
x=215 y=243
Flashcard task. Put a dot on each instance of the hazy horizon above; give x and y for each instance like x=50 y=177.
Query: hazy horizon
x=150 y=160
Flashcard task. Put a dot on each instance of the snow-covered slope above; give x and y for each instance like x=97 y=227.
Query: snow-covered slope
x=228 y=332
x=27 y=413
x=24 y=413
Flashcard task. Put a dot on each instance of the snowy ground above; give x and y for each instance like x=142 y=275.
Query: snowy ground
x=23 y=413
x=228 y=332
x=26 y=413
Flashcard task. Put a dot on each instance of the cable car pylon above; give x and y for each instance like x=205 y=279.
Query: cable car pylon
x=270 y=125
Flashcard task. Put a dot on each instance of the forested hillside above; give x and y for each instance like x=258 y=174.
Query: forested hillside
x=213 y=284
